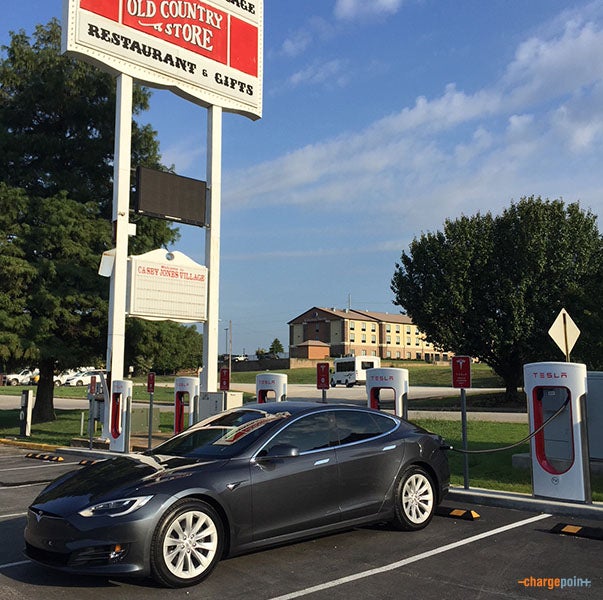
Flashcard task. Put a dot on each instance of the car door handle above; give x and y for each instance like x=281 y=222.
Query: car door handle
x=386 y=448
x=322 y=461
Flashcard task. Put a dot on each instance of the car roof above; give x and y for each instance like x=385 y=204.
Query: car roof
x=297 y=408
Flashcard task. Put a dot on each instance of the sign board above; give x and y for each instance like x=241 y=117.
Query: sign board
x=170 y=196
x=322 y=376
x=565 y=332
x=224 y=379
x=166 y=286
x=461 y=372
x=151 y=383
x=209 y=52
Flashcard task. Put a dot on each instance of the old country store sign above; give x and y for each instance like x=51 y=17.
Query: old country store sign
x=207 y=52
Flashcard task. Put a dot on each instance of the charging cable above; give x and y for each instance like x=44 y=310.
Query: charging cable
x=529 y=437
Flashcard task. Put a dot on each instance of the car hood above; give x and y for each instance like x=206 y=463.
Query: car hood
x=114 y=478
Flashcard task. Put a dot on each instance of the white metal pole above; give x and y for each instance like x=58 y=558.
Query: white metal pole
x=209 y=376
x=121 y=207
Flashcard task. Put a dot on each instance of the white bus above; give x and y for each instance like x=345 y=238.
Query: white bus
x=351 y=370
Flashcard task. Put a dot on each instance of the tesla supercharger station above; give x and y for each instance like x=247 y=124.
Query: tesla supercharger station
x=559 y=452
x=265 y=383
x=186 y=393
x=119 y=416
x=388 y=379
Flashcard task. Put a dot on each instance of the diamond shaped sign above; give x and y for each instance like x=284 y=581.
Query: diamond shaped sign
x=564 y=332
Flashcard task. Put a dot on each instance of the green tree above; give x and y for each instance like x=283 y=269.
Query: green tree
x=164 y=347
x=490 y=287
x=276 y=347
x=57 y=119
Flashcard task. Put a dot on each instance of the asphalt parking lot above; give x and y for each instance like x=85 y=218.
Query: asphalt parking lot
x=505 y=553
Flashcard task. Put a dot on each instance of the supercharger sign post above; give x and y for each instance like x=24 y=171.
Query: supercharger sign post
x=210 y=53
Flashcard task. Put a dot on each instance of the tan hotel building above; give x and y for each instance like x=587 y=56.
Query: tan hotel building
x=329 y=332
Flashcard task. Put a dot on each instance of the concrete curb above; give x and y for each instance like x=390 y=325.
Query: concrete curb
x=28 y=445
x=525 y=502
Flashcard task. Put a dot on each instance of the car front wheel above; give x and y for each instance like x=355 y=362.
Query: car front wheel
x=187 y=544
x=415 y=499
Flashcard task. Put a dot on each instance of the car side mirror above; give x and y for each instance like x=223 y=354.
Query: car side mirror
x=280 y=451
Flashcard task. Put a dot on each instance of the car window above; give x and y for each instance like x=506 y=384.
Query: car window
x=223 y=437
x=312 y=432
x=355 y=426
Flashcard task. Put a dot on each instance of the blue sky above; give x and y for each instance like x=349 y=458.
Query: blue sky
x=382 y=118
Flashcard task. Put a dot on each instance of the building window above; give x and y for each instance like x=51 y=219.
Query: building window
x=398 y=340
x=364 y=338
x=388 y=339
x=388 y=354
x=388 y=328
x=352 y=338
x=398 y=354
x=397 y=328
x=373 y=353
x=364 y=327
x=363 y=353
x=408 y=341
x=352 y=325
x=408 y=329
x=373 y=327
x=373 y=339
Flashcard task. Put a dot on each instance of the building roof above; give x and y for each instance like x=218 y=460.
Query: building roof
x=360 y=315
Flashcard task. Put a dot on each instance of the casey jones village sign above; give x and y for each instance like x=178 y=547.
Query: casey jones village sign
x=207 y=52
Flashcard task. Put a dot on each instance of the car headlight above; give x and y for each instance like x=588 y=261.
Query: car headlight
x=115 y=508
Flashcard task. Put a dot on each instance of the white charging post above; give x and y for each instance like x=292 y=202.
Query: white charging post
x=267 y=384
x=556 y=395
x=388 y=379
x=186 y=394
x=120 y=411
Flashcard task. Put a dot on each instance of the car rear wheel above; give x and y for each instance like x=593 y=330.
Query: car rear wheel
x=415 y=499
x=187 y=544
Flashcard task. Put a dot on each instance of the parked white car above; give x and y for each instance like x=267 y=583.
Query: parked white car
x=62 y=377
x=82 y=378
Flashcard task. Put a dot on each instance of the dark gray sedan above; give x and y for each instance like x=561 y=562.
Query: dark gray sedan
x=251 y=477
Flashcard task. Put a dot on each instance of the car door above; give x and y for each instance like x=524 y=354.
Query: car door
x=296 y=493
x=368 y=460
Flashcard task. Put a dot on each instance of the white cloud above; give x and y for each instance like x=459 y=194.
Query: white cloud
x=459 y=152
x=356 y=9
x=331 y=73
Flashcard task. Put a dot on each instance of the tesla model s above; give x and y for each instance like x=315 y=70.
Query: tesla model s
x=251 y=477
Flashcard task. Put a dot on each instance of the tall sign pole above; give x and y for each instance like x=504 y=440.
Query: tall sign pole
x=209 y=375
x=121 y=207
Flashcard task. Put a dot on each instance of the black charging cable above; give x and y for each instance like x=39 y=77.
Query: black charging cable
x=529 y=437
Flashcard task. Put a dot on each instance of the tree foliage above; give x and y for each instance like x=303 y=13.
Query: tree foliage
x=164 y=347
x=57 y=120
x=491 y=286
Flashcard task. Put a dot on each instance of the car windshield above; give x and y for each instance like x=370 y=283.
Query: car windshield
x=222 y=437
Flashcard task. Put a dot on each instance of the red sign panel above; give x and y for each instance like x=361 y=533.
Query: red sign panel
x=322 y=376
x=151 y=383
x=224 y=379
x=461 y=372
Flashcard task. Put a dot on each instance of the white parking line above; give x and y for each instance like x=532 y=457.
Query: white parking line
x=13 y=515
x=409 y=560
x=60 y=464
x=15 y=564
x=15 y=487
